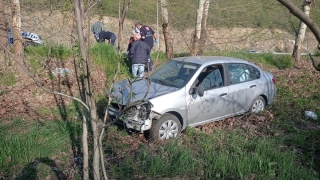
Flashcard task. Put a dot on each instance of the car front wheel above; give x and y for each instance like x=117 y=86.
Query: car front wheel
x=168 y=126
x=257 y=105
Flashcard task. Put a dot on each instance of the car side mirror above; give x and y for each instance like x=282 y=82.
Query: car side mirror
x=200 y=91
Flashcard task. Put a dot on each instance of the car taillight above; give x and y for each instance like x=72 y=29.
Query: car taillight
x=274 y=80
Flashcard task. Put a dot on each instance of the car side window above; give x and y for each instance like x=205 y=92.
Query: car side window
x=213 y=79
x=239 y=73
x=255 y=73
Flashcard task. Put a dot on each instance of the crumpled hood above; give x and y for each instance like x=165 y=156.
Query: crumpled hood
x=121 y=90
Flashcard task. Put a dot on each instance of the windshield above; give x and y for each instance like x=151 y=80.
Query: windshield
x=174 y=73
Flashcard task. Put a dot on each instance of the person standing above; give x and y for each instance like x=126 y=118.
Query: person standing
x=97 y=27
x=131 y=40
x=147 y=34
x=110 y=36
x=139 y=54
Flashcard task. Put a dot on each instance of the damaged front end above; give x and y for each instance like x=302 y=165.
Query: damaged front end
x=137 y=116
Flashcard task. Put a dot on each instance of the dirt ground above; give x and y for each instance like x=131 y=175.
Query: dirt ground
x=27 y=100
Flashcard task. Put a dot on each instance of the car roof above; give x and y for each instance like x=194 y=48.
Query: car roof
x=206 y=60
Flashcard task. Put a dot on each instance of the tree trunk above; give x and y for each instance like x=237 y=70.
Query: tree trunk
x=296 y=54
x=88 y=92
x=3 y=37
x=203 y=38
x=197 y=34
x=18 y=44
x=165 y=28
x=85 y=150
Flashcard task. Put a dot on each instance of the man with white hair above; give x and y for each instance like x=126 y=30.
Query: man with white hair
x=139 y=54
x=147 y=35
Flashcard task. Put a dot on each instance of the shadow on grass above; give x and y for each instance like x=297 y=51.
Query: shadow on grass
x=30 y=171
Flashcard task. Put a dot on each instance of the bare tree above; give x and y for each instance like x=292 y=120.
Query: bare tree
x=296 y=54
x=203 y=37
x=197 y=33
x=165 y=28
x=18 y=44
x=3 y=34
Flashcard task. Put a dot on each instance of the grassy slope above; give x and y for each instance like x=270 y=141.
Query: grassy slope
x=279 y=144
x=240 y=13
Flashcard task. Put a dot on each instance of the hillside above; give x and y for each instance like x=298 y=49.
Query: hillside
x=227 y=31
x=57 y=29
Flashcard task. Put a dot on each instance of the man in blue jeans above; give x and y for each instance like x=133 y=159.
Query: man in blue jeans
x=139 y=54
x=147 y=34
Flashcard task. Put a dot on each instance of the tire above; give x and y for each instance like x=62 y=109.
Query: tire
x=167 y=127
x=258 y=105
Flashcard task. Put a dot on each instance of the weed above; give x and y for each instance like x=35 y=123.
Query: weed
x=8 y=79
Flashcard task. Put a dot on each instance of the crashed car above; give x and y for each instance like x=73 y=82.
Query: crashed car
x=30 y=38
x=191 y=91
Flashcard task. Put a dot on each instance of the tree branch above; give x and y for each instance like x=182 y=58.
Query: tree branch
x=304 y=18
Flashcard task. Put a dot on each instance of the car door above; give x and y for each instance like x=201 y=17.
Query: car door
x=212 y=105
x=242 y=88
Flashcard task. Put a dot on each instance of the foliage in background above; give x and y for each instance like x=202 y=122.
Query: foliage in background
x=271 y=60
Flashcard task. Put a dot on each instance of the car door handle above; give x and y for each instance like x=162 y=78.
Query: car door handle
x=253 y=86
x=223 y=94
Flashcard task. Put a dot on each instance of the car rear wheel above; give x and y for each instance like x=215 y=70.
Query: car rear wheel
x=257 y=105
x=167 y=127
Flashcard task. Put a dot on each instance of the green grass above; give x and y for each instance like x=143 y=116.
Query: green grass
x=25 y=143
x=238 y=154
x=105 y=56
x=60 y=51
x=7 y=79
x=268 y=59
x=241 y=13
x=222 y=155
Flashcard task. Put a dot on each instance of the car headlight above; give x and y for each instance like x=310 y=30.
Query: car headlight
x=140 y=112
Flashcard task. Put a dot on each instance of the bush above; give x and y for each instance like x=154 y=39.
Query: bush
x=280 y=61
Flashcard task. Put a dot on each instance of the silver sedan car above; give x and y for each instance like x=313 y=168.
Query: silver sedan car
x=191 y=91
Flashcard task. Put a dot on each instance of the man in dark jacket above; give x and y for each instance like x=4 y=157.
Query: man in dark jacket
x=110 y=36
x=147 y=34
x=139 y=54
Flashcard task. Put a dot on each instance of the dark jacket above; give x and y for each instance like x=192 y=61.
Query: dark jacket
x=139 y=52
